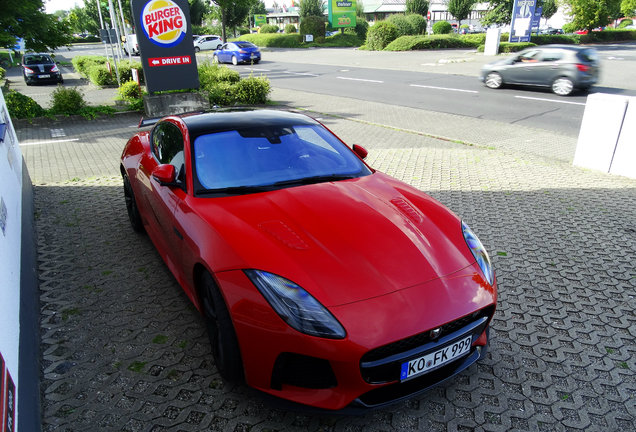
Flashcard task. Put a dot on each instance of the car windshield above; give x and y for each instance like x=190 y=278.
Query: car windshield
x=265 y=158
x=37 y=59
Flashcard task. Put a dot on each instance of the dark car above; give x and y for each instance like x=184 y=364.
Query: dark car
x=237 y=52
x=563 y=68
x=40 y=68
x=321 y=280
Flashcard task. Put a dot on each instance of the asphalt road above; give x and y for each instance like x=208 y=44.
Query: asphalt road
x=444 y=81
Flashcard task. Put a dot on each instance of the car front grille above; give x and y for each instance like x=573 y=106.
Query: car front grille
x=383 y=364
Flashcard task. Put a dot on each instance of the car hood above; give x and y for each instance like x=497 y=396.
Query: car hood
x=342 y=241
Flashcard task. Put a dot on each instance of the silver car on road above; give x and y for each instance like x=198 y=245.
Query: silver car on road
x=563 y=68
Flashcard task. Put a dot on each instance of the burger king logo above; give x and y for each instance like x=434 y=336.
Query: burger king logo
x=163 y=22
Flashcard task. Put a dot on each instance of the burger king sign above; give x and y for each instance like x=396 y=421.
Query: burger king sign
x=164 y=22
x=165 y=44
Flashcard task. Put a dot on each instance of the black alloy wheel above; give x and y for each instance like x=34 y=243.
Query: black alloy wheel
x=131 y=206
x=225 y=348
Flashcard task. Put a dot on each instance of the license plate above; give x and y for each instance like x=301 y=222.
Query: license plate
x=435 y=359
x=44 y=76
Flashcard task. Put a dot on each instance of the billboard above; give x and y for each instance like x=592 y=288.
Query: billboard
x=342 y=13
x=521 y=25
x=260 y=20
x=165 y=43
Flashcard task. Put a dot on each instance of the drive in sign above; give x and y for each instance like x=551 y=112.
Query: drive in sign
x=165 y=44
x=521 y=25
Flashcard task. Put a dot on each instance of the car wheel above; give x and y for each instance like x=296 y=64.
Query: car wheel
x=234 y=60
x=563 y=86
x=131 y=206
x=215 y=59
x=225 y=348
x=197 y=49
x=493 y=80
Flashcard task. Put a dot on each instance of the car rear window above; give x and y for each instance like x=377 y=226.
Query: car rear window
x=31 y=60
x=245 y=45
x=589 y=55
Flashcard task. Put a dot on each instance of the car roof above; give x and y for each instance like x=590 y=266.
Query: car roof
x=565 y=47
x=211 y=122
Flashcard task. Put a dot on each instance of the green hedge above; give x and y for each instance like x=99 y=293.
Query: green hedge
x=274 y=40
x=381 y=34
x=406 y=43
x=510 y=47
x=21 y=106
x=225 y=86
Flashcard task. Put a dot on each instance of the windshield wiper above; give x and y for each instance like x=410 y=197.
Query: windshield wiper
x=315 y=179
x=234 y=190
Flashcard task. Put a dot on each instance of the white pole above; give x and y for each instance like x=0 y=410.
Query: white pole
x=123 y=25
x=101 y=26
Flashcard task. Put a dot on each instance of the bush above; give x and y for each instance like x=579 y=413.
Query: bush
x=268 y=28
x=442 y=27
x=83 y=64
x=210 y=74
x=475 y=39
x=510 y=47
x=403 y=25
x=125 y=70
x=221 y=94
x=67 y=101
x=418 y=22
x=3 y=73
x=312 y=25
x=362 y=27
x=381 y=34
x=99 y=75
x=290 y=28
x=129 y=90
x=407 y=43
x=569 y=28
x=274 y=40
x=555 y=39
x=252 y=90
x=21 y=106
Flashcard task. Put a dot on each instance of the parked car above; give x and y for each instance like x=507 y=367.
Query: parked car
x=130 y=45
x=550 y=31
x=321 y=280
x=237 y=52
x=40 y=68
x=208 y=42
x=563 y=68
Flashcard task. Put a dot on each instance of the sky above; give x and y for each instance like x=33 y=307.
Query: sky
x=55 y=5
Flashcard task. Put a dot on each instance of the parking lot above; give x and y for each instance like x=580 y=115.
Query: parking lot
x=124 y=350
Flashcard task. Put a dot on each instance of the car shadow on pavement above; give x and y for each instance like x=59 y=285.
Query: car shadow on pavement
x=124 y=349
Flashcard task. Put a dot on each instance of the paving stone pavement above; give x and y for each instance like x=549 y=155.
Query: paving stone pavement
x=124 y=350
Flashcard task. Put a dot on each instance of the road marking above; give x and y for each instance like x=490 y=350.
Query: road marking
x=551 y=100
x=48 y=142
x=57 y=133
x=260 y=70
x=360 y=79
x=302 y=74
x=444 y=88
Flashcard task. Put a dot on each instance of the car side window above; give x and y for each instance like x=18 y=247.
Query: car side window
x=530 y=56
x=167 y=146
x=551 y=56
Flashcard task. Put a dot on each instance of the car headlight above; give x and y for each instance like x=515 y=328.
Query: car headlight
x=296 y=306
x=479 y=252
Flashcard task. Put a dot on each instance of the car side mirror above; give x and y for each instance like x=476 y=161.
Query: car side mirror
x=165 y=175
x=360 y=151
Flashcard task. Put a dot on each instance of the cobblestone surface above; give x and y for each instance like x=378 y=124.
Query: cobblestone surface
x=124 y=350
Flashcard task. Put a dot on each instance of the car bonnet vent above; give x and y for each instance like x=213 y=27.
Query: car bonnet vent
x=408 y=210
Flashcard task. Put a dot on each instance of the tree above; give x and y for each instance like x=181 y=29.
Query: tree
x=628 y=8
x=311 y=8
x=589 y=14
x=233 y=13
x=549 y=8
x=419 y=7
x=460 y=9
x=500 y=12
x=27 y=19
x=360 y=10
x=198 y=8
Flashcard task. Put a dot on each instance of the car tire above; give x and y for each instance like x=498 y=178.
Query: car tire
x=563 y=86
x=197 y=49
x=493 y=80
x=234 y=60
x=225 y=348
x=131 y=206
x=215 y=59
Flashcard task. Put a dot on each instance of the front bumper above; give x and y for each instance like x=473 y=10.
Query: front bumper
x=363 y=369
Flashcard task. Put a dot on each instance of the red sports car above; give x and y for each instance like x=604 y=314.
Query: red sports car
x=322 y=281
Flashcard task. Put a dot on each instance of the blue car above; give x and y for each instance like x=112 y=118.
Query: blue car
x=237 y=52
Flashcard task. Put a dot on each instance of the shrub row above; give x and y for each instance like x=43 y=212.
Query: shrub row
x=225 y=86
x=406 y=43
x=64 y=100
x=95 y=69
